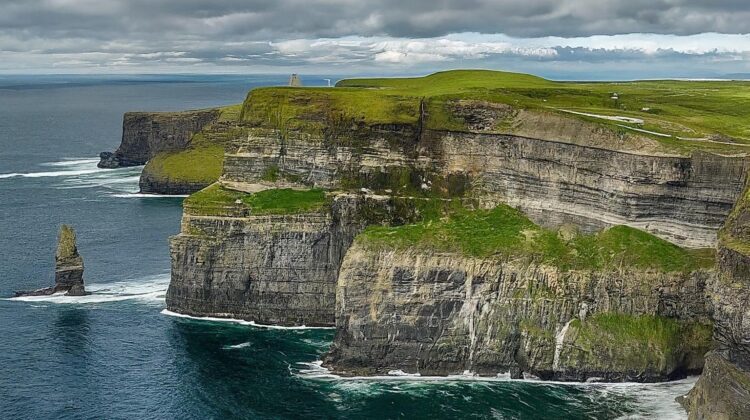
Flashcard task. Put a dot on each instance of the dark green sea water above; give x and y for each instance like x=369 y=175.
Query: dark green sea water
x=113 y=354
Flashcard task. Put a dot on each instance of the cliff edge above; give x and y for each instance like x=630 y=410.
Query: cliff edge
x=723 y=391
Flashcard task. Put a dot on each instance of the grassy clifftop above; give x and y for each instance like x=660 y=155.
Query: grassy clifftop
x=216 y=200
x=679 y=116
x=506 y=232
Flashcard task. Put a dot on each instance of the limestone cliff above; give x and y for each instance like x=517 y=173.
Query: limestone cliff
x=682 y=199
x=537 y=312
x=443 y=313
x=723 y=391
x=274 y=268
x=144 y=134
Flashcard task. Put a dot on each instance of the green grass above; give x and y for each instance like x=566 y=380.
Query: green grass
x=641 y=341
x=230 y=113
x=507 y=232
x=66 y=243
x=201 y=163
x=217 y=200
x=691 y=109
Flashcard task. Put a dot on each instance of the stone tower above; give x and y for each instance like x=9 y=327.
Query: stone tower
x=294 y=80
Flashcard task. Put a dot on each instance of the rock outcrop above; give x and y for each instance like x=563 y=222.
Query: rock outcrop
x=271 y=269
x=144 y=134
x=68 y=268
x=682 y=199
x=723 y=391
x=432 y=313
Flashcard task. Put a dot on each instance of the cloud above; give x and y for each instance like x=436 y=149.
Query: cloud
x=173 y=35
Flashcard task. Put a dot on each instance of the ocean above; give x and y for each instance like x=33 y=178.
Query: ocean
x=116 y=354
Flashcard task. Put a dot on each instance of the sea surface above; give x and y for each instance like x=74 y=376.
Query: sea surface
x=114 y=354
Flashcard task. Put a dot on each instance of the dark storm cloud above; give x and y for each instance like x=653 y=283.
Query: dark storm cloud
x=286 y=19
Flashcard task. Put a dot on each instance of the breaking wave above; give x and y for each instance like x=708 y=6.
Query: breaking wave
x=649 y=400
x=241 y=322
x=150 y=289
x=74 y=173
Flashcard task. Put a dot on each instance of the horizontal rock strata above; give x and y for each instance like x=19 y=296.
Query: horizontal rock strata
x=682 y=199
x=271 y=269
x=440 y=314
x=723 y=391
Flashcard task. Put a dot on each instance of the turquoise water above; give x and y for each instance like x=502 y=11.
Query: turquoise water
x=113 y=354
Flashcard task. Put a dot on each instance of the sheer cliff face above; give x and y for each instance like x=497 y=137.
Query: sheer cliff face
x=144 y=134
x=682 y=199
x=271 y=269
x=723 y=391
x=433 y=313
x=277 y=270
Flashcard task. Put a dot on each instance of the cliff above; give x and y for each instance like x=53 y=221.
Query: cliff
x=434 y=308
x=272 y=266
x=145 y=134
x=272 y=256
x=682 y=199
x=723 y=391
x=182 y=151
x=382 y=208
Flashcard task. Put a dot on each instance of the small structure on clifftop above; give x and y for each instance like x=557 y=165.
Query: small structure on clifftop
x=294 y=80
x=68 y=267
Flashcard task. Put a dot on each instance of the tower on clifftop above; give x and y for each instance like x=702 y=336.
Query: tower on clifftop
x=294 y=80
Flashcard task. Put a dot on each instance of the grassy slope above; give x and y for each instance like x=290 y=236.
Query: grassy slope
x=202 y=161
x=214 y=199
x=504 y=231
x=639 y=342
x=717 y=110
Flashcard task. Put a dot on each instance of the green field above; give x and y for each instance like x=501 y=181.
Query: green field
x=687 y=115
x=507 y=232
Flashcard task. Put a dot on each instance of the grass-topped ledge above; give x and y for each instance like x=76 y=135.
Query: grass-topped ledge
x=507 y=232
x=217 y=200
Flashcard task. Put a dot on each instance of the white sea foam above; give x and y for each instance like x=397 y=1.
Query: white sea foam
x=71 y=162
x=652 y=400
x=151 y=289
x=238 y=346
x=141 y=195
x=241 y=322
x=83 y=173
x=49 y=173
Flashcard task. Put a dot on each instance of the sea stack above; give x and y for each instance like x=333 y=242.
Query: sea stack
x=68 y=267
x=68 y=264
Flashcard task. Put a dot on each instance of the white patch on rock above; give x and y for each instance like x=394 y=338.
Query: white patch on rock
x=559 y=340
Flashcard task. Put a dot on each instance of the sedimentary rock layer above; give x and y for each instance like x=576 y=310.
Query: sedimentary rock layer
x=271 y=269
x=439 y=314
x=682 y=199
x=144 y=134
x=277 y=270
x=68 y=267
x=723 y=391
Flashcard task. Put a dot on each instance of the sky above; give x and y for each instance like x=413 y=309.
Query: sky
x=562 y=39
